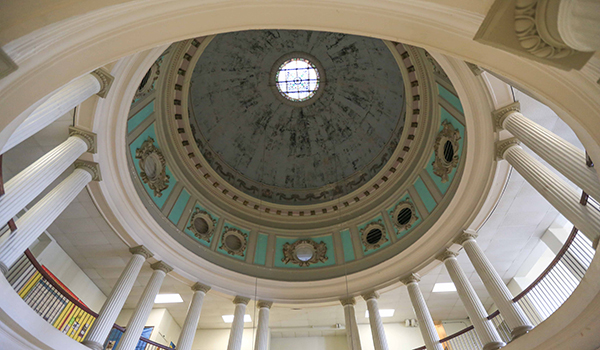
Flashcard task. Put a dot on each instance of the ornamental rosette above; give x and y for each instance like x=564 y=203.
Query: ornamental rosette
x=153 y=167
x=446 y=151
x=304 y=252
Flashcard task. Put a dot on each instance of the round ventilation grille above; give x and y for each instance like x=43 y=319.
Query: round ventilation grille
x=233 y=242
x=404 y=216
x=374 y=236
x=448 y=151
x=151 y=166
x=201 y=225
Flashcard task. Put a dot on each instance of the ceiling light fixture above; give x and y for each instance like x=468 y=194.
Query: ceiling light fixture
x=229 y=318
x=382 y=313
x=444 y=287
x=168 y=299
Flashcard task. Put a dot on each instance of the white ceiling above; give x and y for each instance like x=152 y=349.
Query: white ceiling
x=508 y=237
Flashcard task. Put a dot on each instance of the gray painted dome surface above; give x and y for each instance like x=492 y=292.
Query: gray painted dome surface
x=289 y=154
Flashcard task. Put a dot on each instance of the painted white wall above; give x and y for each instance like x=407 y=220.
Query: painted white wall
x=219 y=338
x=165 y=331
x=312 y=343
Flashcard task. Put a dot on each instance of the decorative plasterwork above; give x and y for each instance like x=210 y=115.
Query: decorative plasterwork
x=210 y=223
x=376 y=225
x=501 y=114
x=199 y=287
x=447 y=254
x=442 y=167
x=413 y=216
x=412 y=278
x=504 y=145
x=264 y=304
x=161 y=266
x=241 y=300
x=371 y=295
x=153 y=167
x=465 y=236
x=88 y=137
x=348 y=301
x=91 y=167
x=105 y=80
x=318 y=250
x=141 y=250
x=532 y=32
x=241 y=236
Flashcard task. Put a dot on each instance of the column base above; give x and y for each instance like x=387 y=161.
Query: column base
x=92 y=345
x=519 y=331
x=3 y=268
x=495 y=345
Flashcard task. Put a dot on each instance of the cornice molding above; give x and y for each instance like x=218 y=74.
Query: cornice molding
x=501 y=114
x=162 y=266
x=88 y=137
x=105 y=80
x=465 y=236
x=447 y=254
x=91 y=167
x=199 y=287
x=504 y=145
x=141 y=250
x=412 y=278
x=241 y=300
x=7 y=65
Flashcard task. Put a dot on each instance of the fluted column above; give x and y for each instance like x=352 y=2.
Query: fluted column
x=262 y=332
x=483 y=327
x=378 y=333
x=138 y=320
x=29 y=183
x=237 y=326
x=114 y=303
x=426 y=325
x=562 y=196
x=68 y=97
x=351 y=325
x=190 y=325
x=36 y=220
x=560 y=154
x=511 y=312
x=579 y=24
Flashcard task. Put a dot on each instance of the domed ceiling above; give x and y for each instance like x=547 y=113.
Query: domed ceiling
x=296 y=153
x=271 y=151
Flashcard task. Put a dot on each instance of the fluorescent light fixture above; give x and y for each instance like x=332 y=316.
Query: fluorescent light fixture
x=168 y=299
x=229 y=318
x=444 y=287
x=382 y=313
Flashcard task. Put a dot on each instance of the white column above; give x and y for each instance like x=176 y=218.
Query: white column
x=190 y=325
x=579 y=24
x=114 y=303
x=262 y=332
x=428 y=331
x=483 y=327
x=31 y=225
x=562 y=196
x=29 y=183
x=67 y=98
x=377 y=331
x=351 y=325
x=237 y=327
x=560 y=154
x=511 y=312
x=136 y=323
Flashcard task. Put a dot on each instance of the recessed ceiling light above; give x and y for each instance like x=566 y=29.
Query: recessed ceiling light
x=168 y=299
x=444 y=287
x=382 y=313
x=229 y=318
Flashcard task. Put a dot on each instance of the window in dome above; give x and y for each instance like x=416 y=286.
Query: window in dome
x=298 y=79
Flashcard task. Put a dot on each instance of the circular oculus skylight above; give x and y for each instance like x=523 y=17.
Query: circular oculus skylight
x=297 y=79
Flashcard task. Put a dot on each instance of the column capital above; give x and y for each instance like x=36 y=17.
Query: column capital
x=162 y=266
x=348 y=301
x=88 y=137
x=501 y=114
x=91 y=167
x=412 y=278
x=370 y=295
x=199 y=287
x=141 y=250
x=504 y=145
x=241 y=300
x=445 y=255
x=264 y=304
x=465 y=236
x=105 y=80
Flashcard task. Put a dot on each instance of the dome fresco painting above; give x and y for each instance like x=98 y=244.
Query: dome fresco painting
x=340 y=179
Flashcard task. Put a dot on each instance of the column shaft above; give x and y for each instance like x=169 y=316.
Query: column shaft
x=378 y=333
x=562 y=196
x=67 y=98
x=512 y=312
x=139 y=318
x=114 y=303
x=561 y=155
x=428 y=331
x=483 y=327
x=31 y=225
x=190 y=325
x=262 y=332
x=29 y=183
x=352 y=335
x=237 y=327
x=579 y=24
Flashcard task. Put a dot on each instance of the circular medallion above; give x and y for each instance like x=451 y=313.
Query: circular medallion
x=297 y=77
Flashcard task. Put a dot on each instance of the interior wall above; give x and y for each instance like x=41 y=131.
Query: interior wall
x=219 y=338
x=165 y=331
x=312 y=343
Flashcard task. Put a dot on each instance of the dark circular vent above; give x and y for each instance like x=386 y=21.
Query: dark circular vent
x=404 y=216
x=201 y=225
x=233 y=242
x=144 y=80
x=374 y=236
x=448 y=151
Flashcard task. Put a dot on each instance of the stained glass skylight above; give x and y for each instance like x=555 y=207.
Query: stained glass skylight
x=297 y=79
